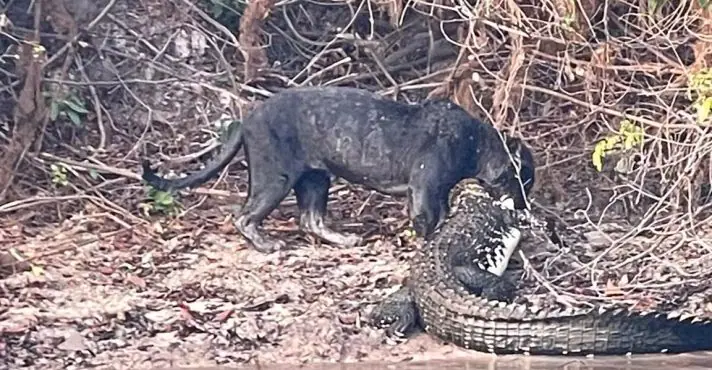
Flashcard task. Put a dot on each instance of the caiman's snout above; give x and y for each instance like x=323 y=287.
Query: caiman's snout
x=512 y=196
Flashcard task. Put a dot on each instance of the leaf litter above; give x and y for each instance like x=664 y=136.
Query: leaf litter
x=190 y=292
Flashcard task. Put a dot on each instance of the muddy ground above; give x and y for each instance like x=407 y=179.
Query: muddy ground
x=202 y=298
x=108 y=286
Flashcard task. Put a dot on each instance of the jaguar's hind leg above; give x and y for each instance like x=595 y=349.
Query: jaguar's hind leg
x=485 y=283
x=312 y=192
x=264 y=196
x=397 y=314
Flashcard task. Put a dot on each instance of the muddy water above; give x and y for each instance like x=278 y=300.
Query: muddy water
x=695 y=361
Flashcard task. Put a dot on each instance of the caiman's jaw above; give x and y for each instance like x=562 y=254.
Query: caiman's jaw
x=508 y=242
x=493 y=257
x=499 y=260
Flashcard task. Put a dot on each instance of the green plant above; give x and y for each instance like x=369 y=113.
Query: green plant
x=59 y=174
x=227 y=12
x=227 y=128
x=628 y=136
x=568 y=22
x=700 y=85
x=654 y=5
x=217 y=7
x=160 y=201
x=95 y=175
x=72 y=107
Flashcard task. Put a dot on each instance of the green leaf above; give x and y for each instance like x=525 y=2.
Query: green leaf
x=76 y=105
x=612 y=142
x=631 y=139
x=703 y=3
x=74 y=117
x=230 y=129
x=628 y=142
x=626 y=127
x=164 y=198
x=704 y=109
x=94 y=174
x=598 y=154
x=653 y=6
x=217 y=9
x=53 y=110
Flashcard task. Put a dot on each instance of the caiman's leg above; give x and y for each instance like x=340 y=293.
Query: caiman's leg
x=485 y=284
x=397 y=313
x=312 y=192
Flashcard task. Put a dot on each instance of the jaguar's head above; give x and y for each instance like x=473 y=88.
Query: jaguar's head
x=509 y=174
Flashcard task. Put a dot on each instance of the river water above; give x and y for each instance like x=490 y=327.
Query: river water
x=691 y=361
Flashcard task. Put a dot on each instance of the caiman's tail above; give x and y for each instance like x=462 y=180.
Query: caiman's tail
x=622 y=331
x=227 y=151
x=514 y=329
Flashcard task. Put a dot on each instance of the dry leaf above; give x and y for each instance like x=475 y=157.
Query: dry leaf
x=135 y=280
x=624 y=280
x=224 y=315
x=612 y=289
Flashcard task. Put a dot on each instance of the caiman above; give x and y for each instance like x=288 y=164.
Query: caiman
x=455 y=291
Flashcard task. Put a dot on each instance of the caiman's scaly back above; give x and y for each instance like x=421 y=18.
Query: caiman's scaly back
x=456 y=293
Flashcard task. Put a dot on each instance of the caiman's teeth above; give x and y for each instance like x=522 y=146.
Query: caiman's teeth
x=673 y=315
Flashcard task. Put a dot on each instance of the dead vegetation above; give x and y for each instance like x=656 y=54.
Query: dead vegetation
x=130 y=79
